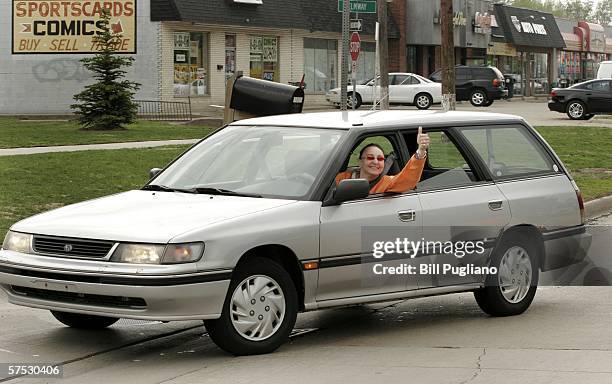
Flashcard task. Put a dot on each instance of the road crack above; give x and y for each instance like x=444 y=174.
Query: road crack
x=478 y=367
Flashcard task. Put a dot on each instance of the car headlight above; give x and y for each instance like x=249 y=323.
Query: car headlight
x=158 y=254
x=18 y=242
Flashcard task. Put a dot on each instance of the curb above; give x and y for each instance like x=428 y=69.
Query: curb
x=598 y=207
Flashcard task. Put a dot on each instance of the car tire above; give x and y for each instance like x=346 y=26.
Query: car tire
x=576 y=110
x=488 y=103
x=349 y=100
x=511 y=290
x=478 y=98
x=252 y=323
x=588 y=116
x=80 y=321
x=423 y=100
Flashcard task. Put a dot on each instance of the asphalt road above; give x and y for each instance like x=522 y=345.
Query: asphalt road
x=565 y=337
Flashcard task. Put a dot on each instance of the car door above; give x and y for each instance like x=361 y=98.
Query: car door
x=463 y=85
x=599 y=97
x=349 y=231
x=463 y=213
x=399 y=90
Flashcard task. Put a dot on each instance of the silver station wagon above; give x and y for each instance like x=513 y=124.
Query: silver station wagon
x=269 y=217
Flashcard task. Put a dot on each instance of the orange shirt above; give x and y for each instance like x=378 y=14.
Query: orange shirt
x=404 y=181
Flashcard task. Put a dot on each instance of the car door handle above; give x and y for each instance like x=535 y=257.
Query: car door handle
x=588 y=94
x=495 y=205
x=408 y=215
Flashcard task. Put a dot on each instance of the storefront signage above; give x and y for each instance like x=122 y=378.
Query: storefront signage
x=459 y=19
x=181 y=40
x=69 y=26
x=270 y=51
x=501 y=49
x=482 y=23
x=527 y=27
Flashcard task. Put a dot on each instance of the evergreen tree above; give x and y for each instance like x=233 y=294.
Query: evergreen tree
x=109 y=102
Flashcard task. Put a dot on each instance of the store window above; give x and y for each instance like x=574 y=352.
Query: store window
x=191 y=53
x=264 y=58
x=320 y=61
x=569 y=67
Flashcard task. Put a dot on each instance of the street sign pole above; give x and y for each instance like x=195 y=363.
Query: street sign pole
x=344 y=60
x=354 y=78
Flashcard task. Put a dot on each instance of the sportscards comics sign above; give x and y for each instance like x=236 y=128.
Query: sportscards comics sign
x=68 y=26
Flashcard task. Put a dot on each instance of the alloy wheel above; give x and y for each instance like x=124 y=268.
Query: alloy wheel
x=423 y=101
x=576 y=110
x=478 y=98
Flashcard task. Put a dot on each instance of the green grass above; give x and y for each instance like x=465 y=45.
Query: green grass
x=37 y=183
x=23 y=133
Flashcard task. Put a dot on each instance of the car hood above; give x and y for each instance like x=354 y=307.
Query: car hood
x=143 y=216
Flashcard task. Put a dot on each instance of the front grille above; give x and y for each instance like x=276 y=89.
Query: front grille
x=71 y=247
x=81 y=298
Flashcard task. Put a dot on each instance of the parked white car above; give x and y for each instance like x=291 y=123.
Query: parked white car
x=404 y=88
x=605 y=70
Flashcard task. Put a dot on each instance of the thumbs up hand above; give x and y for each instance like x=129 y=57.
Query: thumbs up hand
x=423 y=143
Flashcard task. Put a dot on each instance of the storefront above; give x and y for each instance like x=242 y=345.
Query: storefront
x=594 y=47
x=472 y=26
x=537 y=39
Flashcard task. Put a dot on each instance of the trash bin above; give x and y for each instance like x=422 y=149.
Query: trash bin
x=563 y=83
x=265 y=98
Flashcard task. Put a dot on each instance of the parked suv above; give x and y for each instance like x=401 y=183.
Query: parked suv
x=480 y=85
x=249 y=227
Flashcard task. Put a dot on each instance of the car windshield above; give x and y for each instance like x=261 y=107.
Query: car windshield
x=276 y=162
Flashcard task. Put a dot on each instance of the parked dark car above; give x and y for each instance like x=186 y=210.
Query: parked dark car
x=480 y=85
x=584 y=100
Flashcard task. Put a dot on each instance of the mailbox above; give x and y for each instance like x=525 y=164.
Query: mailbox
x=265 y=98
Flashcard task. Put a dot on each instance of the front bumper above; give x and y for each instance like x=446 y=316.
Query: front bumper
x=188 y=296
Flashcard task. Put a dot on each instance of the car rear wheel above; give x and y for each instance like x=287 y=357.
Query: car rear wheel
x=80 y=321
x=511 y=290
x=488 y=103
x=576 y=110
x=423 y=101
x=350 y=100
x=259 y=311
x=478 y=98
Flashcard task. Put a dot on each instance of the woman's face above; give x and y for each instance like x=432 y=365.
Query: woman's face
x=371 y=163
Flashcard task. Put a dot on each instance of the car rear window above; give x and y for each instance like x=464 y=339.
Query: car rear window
x=510 y=151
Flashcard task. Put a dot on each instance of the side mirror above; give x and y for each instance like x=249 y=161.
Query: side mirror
x=351 y=189
x=153 y=172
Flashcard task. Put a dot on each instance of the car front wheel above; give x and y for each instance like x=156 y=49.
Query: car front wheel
x=80 y=321
x=423 y=101
x=478 y=98
x=576 y=110
x=511 y=290
x=259 y=311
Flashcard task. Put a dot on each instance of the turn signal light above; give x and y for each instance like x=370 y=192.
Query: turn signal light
x=311 y=265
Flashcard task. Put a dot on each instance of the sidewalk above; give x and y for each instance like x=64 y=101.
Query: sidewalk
x=89 y=147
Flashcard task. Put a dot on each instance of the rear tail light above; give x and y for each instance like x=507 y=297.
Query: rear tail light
x=580 y=202
x=553 y=94
x=497 y=82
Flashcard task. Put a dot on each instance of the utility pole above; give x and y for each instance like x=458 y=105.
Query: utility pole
x=383 y=58
x=345 y=53
x=448 y=55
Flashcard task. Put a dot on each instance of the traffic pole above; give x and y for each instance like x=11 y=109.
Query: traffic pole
x=346 y=9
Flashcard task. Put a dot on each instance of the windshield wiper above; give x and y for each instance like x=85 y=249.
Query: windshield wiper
x=164 y=188
x=221 y=191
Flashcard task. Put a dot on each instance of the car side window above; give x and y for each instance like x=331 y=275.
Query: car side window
x=509 y=151
x=446 y=167
x=399 y=80
x=483 y=73
x=601 y=86
x=383 y=141
x=463 y=74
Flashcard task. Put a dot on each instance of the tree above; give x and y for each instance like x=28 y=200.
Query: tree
x=603 y=12
x=579 y=9
x=108 y=103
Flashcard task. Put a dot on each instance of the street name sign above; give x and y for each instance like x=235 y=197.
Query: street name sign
x=359 y=6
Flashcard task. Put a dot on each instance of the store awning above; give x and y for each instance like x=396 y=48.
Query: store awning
x=609 y=45
x=311 y=15
x=526 y=27
x=572 y=41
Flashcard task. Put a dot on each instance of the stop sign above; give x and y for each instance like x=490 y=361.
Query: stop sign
x=355 y=46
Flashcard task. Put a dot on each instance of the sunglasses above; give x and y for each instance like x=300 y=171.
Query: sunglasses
x=372 y=157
